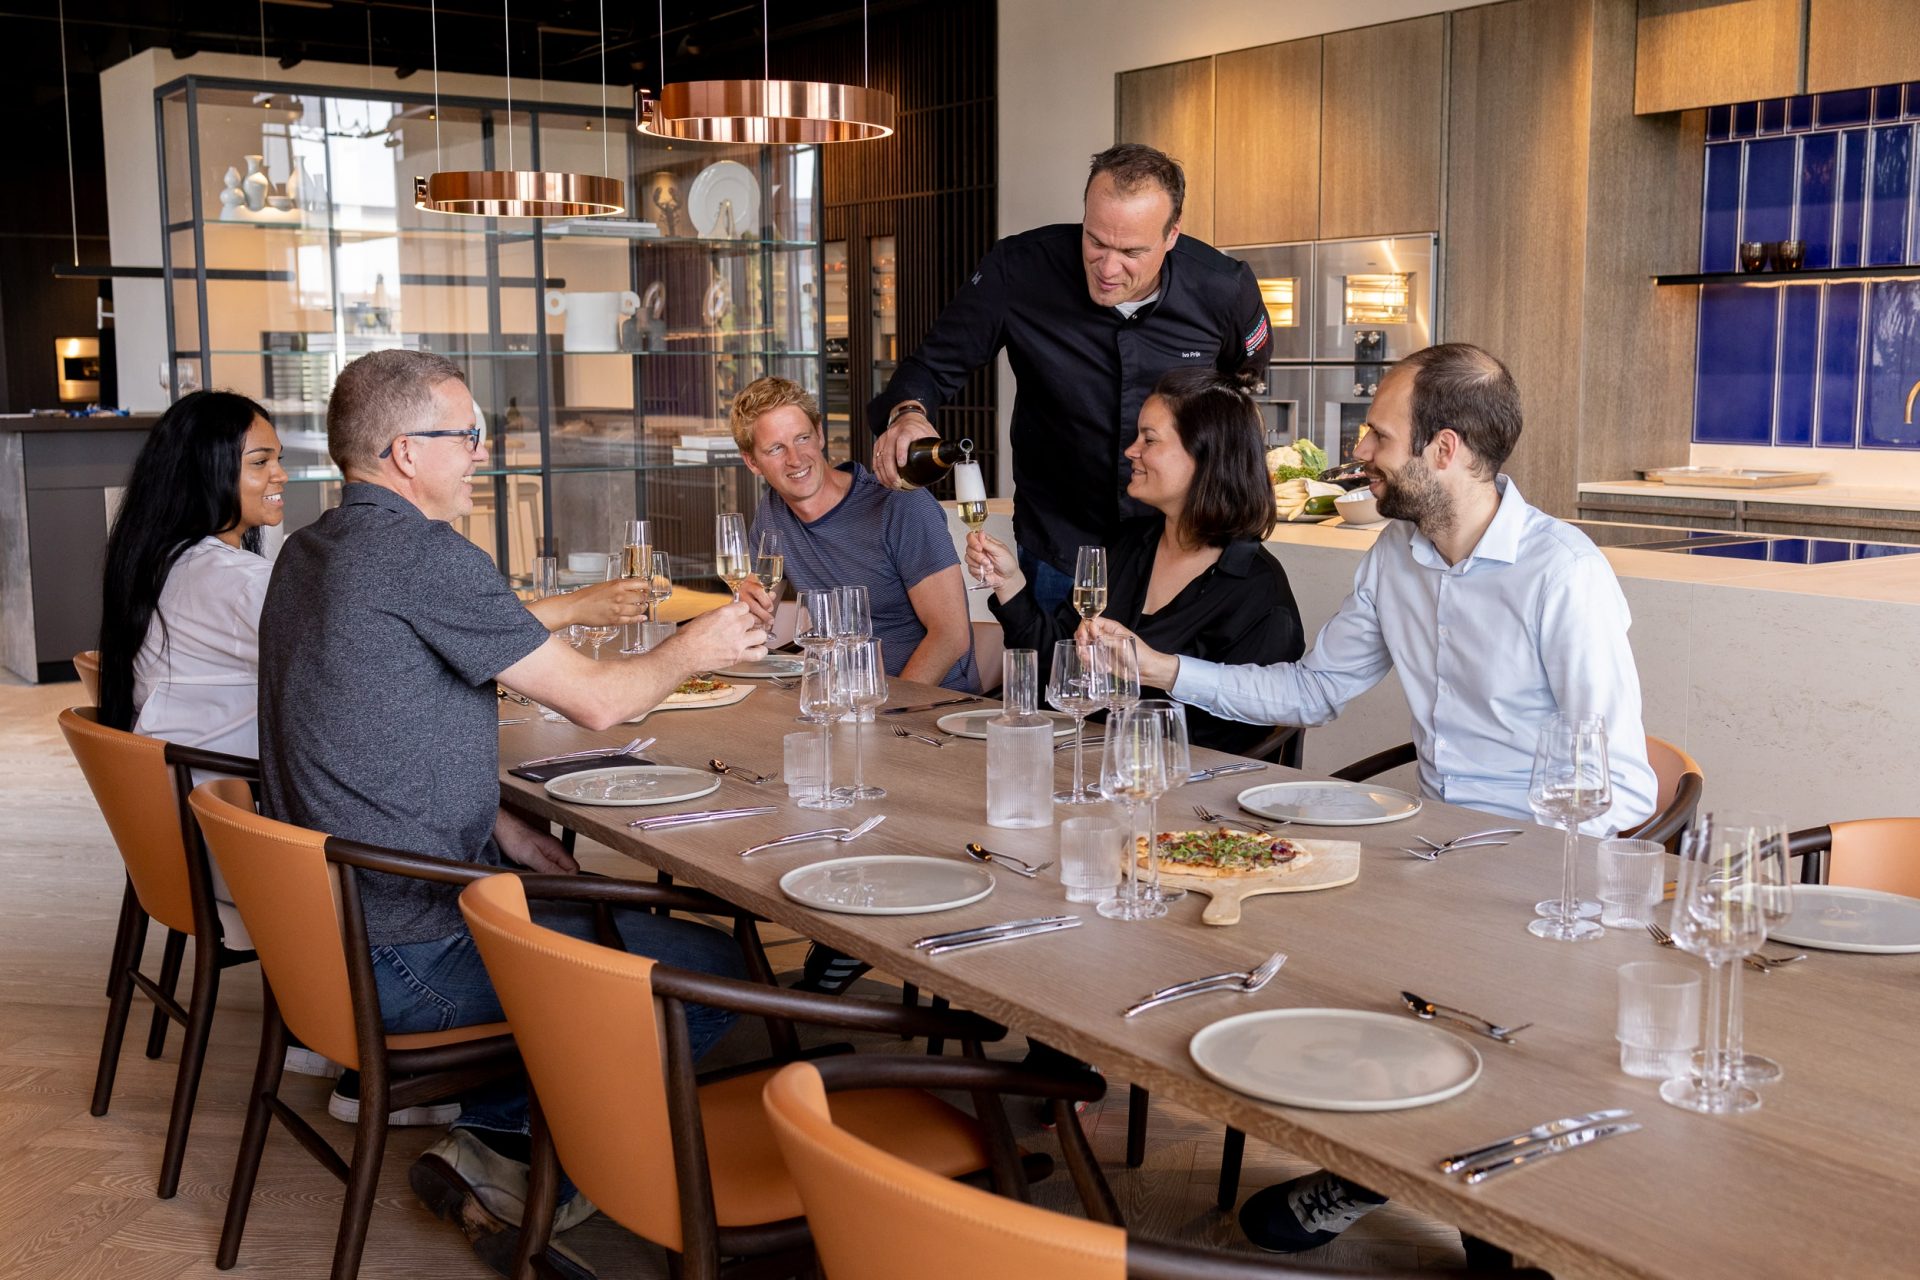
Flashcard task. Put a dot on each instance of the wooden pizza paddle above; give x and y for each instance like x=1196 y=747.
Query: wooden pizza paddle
x=1335 y=862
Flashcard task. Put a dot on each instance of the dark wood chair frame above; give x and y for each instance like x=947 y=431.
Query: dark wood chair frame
x=1811 y=846
x=777 y=1248
x=211 y=957
x=391 y=1079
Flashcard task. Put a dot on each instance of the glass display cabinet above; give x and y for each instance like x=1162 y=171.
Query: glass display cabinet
x=602 y=353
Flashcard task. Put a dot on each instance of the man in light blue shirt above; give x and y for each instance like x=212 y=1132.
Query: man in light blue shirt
x=1497 y=617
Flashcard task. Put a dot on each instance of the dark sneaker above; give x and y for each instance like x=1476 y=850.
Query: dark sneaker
x=345 y=1105
x=1292 y=1217
x=465 y=1182
x=828 y=972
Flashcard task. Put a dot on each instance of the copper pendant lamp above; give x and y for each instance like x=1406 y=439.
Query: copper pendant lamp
x=764 y=111
x=519 y=193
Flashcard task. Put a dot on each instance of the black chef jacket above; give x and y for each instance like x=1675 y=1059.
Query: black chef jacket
x=1238 y=610
x=1084 y=370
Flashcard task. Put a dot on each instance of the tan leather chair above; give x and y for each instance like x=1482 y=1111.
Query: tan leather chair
x=86 y=665
x=141 y=786
x=685 y=1163
x=875 y=1217
x=1866 y=853
x=989 y=646
x=302 y=907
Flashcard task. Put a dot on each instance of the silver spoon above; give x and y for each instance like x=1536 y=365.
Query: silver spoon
x=980 y=853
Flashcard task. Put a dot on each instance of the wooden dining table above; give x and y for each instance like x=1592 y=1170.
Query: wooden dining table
x=1823 y=1180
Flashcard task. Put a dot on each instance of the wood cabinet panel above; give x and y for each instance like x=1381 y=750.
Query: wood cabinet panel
x=1266 y=143
x=1382 y=115
x=1171 y=107
x=1855 y=43
x=1697 y=54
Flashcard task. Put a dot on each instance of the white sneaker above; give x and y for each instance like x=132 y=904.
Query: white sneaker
x=344 y=1105
x=305 y=1062
x=464 y=1181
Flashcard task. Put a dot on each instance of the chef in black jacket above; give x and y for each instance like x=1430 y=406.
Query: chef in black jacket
x=1090 y=314
x=1192 y=577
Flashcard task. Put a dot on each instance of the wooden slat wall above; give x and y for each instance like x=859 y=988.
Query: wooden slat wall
x=1171 y=107
x=1693 y=54
x=1267 y=156
x=1382 y=107
x=1855 y=43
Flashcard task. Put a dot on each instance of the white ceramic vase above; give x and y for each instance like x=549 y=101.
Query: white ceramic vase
x=256 y=184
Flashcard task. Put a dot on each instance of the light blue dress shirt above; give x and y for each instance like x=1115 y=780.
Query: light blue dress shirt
x=1530 y=624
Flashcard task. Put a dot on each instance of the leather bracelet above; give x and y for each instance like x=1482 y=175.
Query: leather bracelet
x=904 y=408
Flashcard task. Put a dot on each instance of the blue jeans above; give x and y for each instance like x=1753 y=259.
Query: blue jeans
x=434 y=985
x=1051 y=588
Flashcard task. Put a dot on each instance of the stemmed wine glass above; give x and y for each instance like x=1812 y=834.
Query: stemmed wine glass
x=660 y=587
x=769 y=565
x=1120 y=670
x=863 y=675
x=1719 y=914
x=1075 y=686
x=593 y=633
x=1571 y=783
x=636 y=561
x=1179 y=767
x=823 y=698
x=1143 y=743
x=813 y=628
x=970 y=500
x=1766 y=837
x=1090 y=582
x=730 y=557
x=852 y=623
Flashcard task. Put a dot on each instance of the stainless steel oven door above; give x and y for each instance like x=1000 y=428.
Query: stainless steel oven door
x=1342 y=399
x=1285 y=273
x=1374 y=299
x=1286 y=407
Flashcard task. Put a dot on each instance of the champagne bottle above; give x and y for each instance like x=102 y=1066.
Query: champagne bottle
x=929 y=458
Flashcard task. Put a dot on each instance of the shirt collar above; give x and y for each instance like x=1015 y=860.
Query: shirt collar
x=1500 y=542
x=361 y=493
x=1238 y=559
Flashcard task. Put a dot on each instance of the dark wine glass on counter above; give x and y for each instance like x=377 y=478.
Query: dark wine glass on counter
x=1789 y=254
x=1753 y=256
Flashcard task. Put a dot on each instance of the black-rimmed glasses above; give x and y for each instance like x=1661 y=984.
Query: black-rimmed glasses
x=471 y=433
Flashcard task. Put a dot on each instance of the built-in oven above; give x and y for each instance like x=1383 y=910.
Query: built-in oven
x=1373 y=299
x=1285 y=275
x=1286 y=405
x=1342 y=399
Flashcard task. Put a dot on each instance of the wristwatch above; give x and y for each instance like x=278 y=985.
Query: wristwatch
x=904 y=408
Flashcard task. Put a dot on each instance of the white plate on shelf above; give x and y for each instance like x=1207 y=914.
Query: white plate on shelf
x=973 y=724
x=721 y=183
x=1329 y=804
x=764 y=669
x=887 y=885
x=1832 y=917
x=1335 y=1059
x=631 y=785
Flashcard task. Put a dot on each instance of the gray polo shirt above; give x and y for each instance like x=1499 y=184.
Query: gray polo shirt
x=379 y=642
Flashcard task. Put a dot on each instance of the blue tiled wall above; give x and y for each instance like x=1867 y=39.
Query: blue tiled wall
x=1824 y=364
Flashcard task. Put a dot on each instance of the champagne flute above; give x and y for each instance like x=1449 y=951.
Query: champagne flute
x=863 y=675
x=546 y=577
x=1571 y=783
x=1719 y=915
x=1074 y=685
x=970 y=497
x=636 y=561
x=769 y=565
x=1133 y=770
x=822 y=699
x=1090 y=582
x=1178 y=764
x=730 y=557
x=660 y=586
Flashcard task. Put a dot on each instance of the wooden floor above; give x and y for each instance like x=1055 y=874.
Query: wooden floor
x=76 y=1192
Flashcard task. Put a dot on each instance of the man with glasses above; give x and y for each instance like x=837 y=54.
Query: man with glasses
x=383 y=634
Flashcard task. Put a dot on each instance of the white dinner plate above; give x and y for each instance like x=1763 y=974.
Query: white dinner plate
x=725 y=181
x=763 y=669
x=973 y=724
x=887 y=884
x=633 y=785
x=1329 y=804
x=1335 y=1059
x=1832 y=917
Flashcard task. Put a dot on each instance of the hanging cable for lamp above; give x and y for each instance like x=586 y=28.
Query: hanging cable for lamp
x=66 y=112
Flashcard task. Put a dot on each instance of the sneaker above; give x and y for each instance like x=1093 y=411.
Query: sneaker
x=465 y=1182
x=828 y=972
x=1292 y=1217
x=305 y=1062
x=345 y=1105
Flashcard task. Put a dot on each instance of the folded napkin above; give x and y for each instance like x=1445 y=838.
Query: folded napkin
x=560 y=768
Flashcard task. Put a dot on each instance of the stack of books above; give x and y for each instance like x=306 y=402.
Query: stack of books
x=706 y=449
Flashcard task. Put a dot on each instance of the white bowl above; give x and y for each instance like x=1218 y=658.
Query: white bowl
x=587 y=562
x=1356 y=506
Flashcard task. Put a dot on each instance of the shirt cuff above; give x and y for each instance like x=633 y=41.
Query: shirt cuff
x=1197 y=681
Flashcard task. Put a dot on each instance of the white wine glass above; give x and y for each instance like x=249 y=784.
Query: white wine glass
x=660 y=588
x=1571 y=783
x=1719 y=914
x=853 y=619
x=593 y=633
x=1133 y=768
x=1120 y=661
x=1074 y=686
x=822 y=700
x=814 y=621
x=1765 y=834
x=1090 y=582
x=1178 y=765
x=863 y=676
x=970 y=501
x=769 y=564
x=730 y=557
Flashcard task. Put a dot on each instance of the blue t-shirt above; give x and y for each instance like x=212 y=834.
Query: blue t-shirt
x=879 y=538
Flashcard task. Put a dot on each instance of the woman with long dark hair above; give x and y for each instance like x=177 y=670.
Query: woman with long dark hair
x=184 y=583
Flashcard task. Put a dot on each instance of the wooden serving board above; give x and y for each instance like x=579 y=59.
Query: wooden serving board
x=1335 y=862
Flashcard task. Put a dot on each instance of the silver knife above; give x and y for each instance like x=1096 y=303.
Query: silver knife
x=1479 y=1173
x=703 y=815
x=927 y=706
x=1539 y=1132
x=985 y=931
x=1028 y=932
x=1222 y=770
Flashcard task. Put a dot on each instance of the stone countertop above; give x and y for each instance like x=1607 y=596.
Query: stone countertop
x=1886 y=498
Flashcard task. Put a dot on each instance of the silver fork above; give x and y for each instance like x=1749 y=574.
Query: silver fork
x=783 y=682
x=1759 y=964
x=839 y=835
x=1207 y=815
x=1245 y=983
x=898 y=732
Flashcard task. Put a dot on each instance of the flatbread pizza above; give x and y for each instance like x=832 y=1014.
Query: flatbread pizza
x=1222 y=853
x=700 y=686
